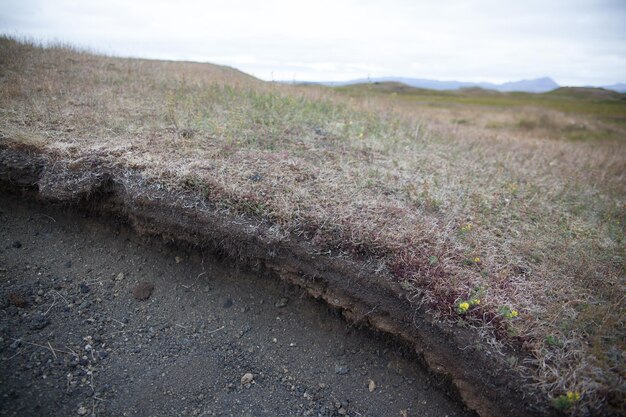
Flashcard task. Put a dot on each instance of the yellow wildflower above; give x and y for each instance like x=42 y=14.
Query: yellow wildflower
x=464 y=306
x=475 y=301
x=476 y=259
x=514 y=313
x=573 y=396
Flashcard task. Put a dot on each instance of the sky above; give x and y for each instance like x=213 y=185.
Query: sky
x=574 y=42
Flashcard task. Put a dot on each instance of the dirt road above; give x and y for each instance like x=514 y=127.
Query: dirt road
x=97 y=321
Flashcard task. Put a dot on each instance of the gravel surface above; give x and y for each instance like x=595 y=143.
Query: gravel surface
x=95 y=320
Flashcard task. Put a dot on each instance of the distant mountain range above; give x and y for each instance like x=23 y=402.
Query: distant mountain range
x=537 y=85
x=620 y=87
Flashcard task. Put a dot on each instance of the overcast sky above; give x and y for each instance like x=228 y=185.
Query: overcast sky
x=575 y=42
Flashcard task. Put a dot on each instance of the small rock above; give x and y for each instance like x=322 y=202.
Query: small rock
x=178 y=259
x=39 y=322
x=120 y=276
x=17 y=300
x=341 y=370
x=17 y=244
x=255 y=177
x=245 y=330
x=228 y=303
x=371 y=386
x=82 y=411
x=281 y=303
x=247 y=378
x=143 y=291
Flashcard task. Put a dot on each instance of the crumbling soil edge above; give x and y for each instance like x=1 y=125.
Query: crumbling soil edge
x=364 y=298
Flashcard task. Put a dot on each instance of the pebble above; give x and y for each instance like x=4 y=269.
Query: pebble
x=228 y=303
x=120 y=276
x=143 y=291
x=371 y=386
x=341 y=370
x=255 y=177
x=247 y=378
x=281 y=303
x=82 y=411
x=39 y=322
x=17 y=300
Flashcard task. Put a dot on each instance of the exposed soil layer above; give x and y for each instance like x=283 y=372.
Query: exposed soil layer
x=95 y=320
x=454 y=354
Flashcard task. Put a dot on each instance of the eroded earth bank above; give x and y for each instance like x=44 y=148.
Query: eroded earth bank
x=76 y=337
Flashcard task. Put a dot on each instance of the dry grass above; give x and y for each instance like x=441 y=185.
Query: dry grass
x=458 y=202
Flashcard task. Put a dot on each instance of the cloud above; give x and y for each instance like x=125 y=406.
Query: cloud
x=576 y=42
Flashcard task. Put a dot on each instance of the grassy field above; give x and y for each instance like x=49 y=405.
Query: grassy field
x=605 y=105
x=500 y=212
